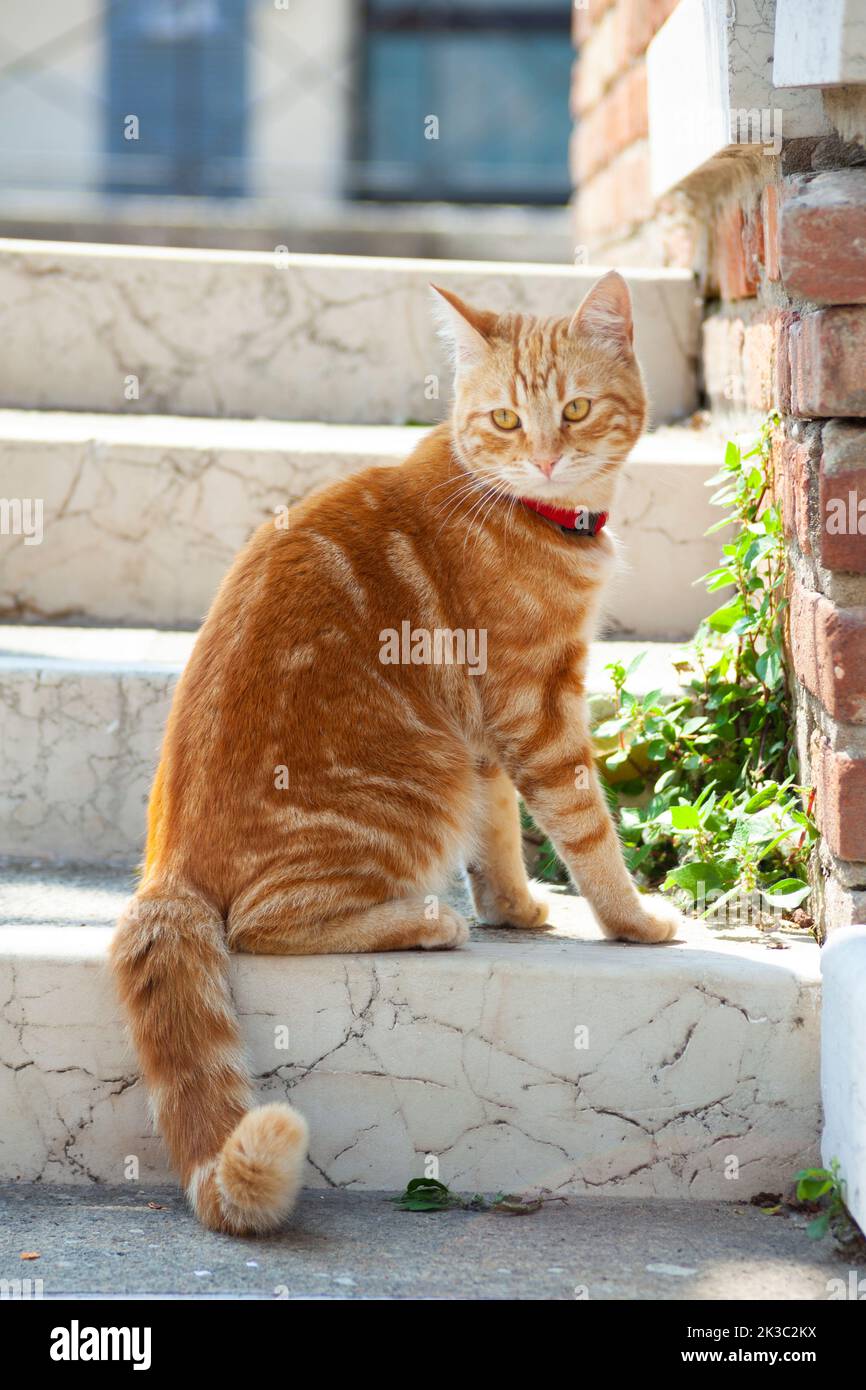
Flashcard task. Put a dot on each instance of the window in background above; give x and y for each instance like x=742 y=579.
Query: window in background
x=179 y=67
x=494 y=73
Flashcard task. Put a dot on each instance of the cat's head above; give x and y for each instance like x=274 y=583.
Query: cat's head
x=546 y=408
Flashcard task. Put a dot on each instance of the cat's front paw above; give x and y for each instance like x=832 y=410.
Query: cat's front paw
x=514 y=910
x=445 y=932
x=653 y=919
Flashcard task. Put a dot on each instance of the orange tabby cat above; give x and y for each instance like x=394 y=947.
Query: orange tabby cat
x=373 y=681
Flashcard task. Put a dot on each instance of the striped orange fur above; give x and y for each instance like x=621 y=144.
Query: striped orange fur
x=311 y=795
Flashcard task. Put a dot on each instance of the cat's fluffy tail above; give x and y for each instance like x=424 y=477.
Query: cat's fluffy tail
x=241 y=1167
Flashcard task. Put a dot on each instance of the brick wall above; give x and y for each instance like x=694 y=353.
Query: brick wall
x=785 y=330
x=609 y=154
x=778 y=245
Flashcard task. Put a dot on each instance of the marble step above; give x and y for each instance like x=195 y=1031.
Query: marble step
x=551 y=1059
x=161 y=504
x=299 y=337
x=82 y=714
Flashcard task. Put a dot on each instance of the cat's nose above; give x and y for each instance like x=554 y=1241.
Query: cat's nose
x=546 y=465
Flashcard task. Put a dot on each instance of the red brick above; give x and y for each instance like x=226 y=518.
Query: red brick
x=586 y=154
x=840 y=801
x=827 y=352
x=598 y=62
x=630 y=182
x=753 y=244
x=627 y=104
x=842 y=497
x=598 y=145
x=739 y=356
x=770 y=218
x=783 y=328
x=633 y=30
x=828 y=647
x=792 y=468
x=584 y=20
x=619 y=119
x=637 y=106
x=735 y=270
x=801 y=638
x=758 y=347
x=822 y=238
x=722 y=357
x=583 y=89
x=616 y=198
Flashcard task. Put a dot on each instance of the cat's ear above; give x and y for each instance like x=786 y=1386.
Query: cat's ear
x=606 y=312
x=466 y=329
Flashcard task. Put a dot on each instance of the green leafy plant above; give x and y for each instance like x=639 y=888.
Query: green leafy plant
x=704 y=784
x=827 y=1187
x=427 y=1194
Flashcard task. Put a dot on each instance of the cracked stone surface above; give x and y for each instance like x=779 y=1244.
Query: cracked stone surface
x=715 y=61
x=80 y=747
x=296 y=337
x=142 y=516
x=83 y=712
x=549 y=1060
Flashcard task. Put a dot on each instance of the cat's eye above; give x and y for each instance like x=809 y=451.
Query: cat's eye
x=506 y=419
x=577 y=409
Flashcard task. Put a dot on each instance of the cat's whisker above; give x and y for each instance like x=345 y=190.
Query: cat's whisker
x=510 y=517
x=495 y=494
x=474 y=487
x=461 y=477
x=449 y=516
x=474 y=511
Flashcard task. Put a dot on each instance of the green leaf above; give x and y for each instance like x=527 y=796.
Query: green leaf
x=691 y=726
x=665 y=779
x=814 y=1183
x=755 y=480
x=759 y=828
x=762 y=797
x=696 y=878
x=425 y=1194
x=611 y=727
x=634 y=663
x=719 y=525
x=685 y=818
x=788 y=893
x=707 y=795
x=723 y=619
x=818 y=1227
x=769 y=667
x=718 y=579
x=618 y=758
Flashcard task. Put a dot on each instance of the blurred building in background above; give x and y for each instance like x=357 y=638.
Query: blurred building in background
x=324 y=124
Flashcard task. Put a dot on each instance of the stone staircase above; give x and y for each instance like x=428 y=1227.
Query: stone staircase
x=132 y=383
x=163 y=503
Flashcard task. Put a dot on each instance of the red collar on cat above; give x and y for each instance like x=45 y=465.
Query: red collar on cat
x=581 y=521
